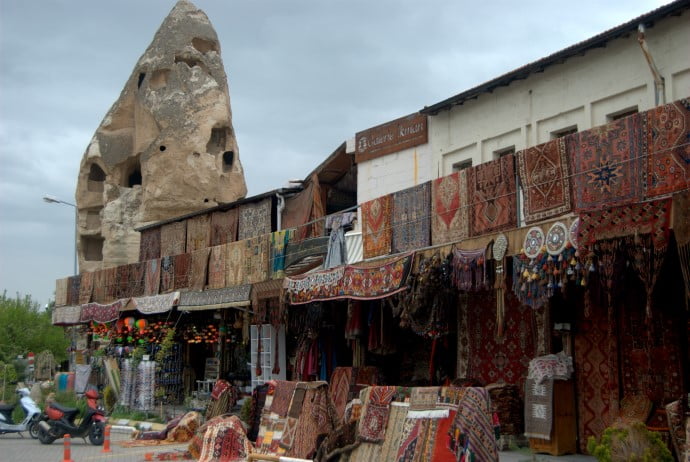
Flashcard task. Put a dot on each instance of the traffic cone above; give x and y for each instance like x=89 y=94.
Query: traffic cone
x=67 y=455
x=106 y=440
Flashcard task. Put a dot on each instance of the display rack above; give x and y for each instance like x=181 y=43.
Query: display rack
x=169 y=376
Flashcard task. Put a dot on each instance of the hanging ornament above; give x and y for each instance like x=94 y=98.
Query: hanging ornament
x=534 y=241
x=141 y=324
x=556 y=238
x=499 y=250
x=129 y=323
x=572 y=234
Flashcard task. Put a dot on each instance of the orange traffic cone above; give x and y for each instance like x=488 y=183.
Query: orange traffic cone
x=106 y=440
x=67 y=455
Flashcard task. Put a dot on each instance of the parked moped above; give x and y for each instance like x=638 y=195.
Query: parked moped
x=61 y=421
x=32 y=415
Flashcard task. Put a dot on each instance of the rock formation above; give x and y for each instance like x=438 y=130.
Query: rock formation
x=165 y=148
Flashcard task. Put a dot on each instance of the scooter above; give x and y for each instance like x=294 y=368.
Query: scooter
x=32 y=415
x=61 y=421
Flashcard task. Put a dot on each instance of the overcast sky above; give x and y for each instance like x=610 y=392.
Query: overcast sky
x=304 y=76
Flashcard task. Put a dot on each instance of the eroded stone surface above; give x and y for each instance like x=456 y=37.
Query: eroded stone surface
x=165 y=148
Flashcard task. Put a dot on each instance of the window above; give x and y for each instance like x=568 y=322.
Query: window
x=462 y=165
x=564 y=132
x=504 y=152
x=92 y=248
x=621 y=114
x=95 y=179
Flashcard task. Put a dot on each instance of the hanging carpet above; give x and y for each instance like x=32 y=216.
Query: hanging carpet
x=215 y=298
x=235 y=265
x=173 y=238
x=61 y=292
x=183 y=264
x=73 y=285
x=66 y=315
x=155 y=303
x=167 y=274
x=545 y=178
x=256 y=254
x=254 y=219
x=411 y=219
x=199 y=269
x=198 y=233
x=101 y=313
x=376 y=226
x=224 y=227
x=86 y=287
x=217 y=266
x=152 y=278
x=137 y=276
x=449 y=208
x=150 y=244
x=491 y=192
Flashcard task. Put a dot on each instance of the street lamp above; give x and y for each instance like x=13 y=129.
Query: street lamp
x=54 y=200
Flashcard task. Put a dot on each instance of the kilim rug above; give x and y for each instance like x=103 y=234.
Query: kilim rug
x=411 y=219
x=173 y=238
x=98 y=287
x=255 y=219
x=225 y=440
x=235 y=265
x=152 y=279
x=199 y=269
x=651 y=217
x=137 y=275
x=676 y=425
x=100 y=313
x=86 y=287
x=409 y=440
x=665 y=145
x=508 y=360
x=473 y=419
x=538 y=409
x=442 y=451
x=606 y=164
x=394 y=430
x=122 y=290
x=61 y=292
x=224 y=227
x=491 y=192
x=73 y=285
x=217 y=266
x=372 y=426
x=376 y=281
x=150 y=244
x=256 y=254
x=111 y=284
x=282 y=397
x=198 y=232
x=449 y=209
x=276 y=263
x=545 y=178
x=182 y=266
x=424 y=398
x=167 y=274
x=595 y=379
x=339 y=388
x=376 y=226
x=313 y=422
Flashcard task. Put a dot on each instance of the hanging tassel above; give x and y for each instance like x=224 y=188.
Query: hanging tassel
x=259 y=329
x=432 y=366
x=276 y=359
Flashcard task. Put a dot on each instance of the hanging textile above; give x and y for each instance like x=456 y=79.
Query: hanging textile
x=337 y=252
x=376 y=226
x=276 y=263
x=198 y=269
x=449 y=208
x=538 y=408
x=681 y=231
x=122 y=290
x=215 y=298
x=643 y=218
x=150 y=244
x=473 y=425
x=315 y=286
x=224 y=226
x=156 y=303
x=167 y=274
x=410 y=219
x=254 y=219
x=372 y=426
x=318 y=210
x=111 y=284
x=101 y=313
x=256 y=252
x=217 y=266
x=470 y=270
x=297 y=211
x=665 y=150
x=182 y=267
x=66 y=315
x=371 y=282
x=606 y=164
x=235 y=265
x=98 y=286
x=499 y=251
x=61 y=292
x=86 y=287
x=492 y=195
x=647 y=260
x=73 y=285
x=173 y=238
x=198 y=232
x=152 y=278
x=545 y=178
x=137 y=274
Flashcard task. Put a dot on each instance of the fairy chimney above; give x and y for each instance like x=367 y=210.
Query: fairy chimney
x=165 y=148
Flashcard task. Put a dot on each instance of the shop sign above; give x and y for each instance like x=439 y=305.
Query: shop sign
x=391 y=137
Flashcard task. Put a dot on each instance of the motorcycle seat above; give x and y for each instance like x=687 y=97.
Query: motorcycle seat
x=65 y=409
x=6 y=407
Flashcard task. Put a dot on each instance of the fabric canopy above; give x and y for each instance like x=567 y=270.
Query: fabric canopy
x=155 y=303
x=101 y=313
x=212 y=299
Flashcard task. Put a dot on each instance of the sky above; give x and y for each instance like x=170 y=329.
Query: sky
x=304 y=76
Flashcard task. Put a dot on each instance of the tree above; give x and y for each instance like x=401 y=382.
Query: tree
x=24 y=327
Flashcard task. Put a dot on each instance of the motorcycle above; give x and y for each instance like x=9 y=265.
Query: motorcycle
x=32 y=415
x=61 y=421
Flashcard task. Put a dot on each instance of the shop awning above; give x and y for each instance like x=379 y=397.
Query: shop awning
x=153 y=304
x=229 y=297
x=101 y=313
x=66 y=315
x=266 y=289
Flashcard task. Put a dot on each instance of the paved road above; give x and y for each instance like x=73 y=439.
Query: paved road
x=15 y=448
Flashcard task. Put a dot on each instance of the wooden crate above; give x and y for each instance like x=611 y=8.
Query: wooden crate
x=564 y=431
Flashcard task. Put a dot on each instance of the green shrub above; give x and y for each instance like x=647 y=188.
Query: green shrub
x=629 y=443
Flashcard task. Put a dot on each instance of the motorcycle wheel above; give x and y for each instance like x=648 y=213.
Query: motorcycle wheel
x=33 y=428
x=43 y=436
x=96 y=433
